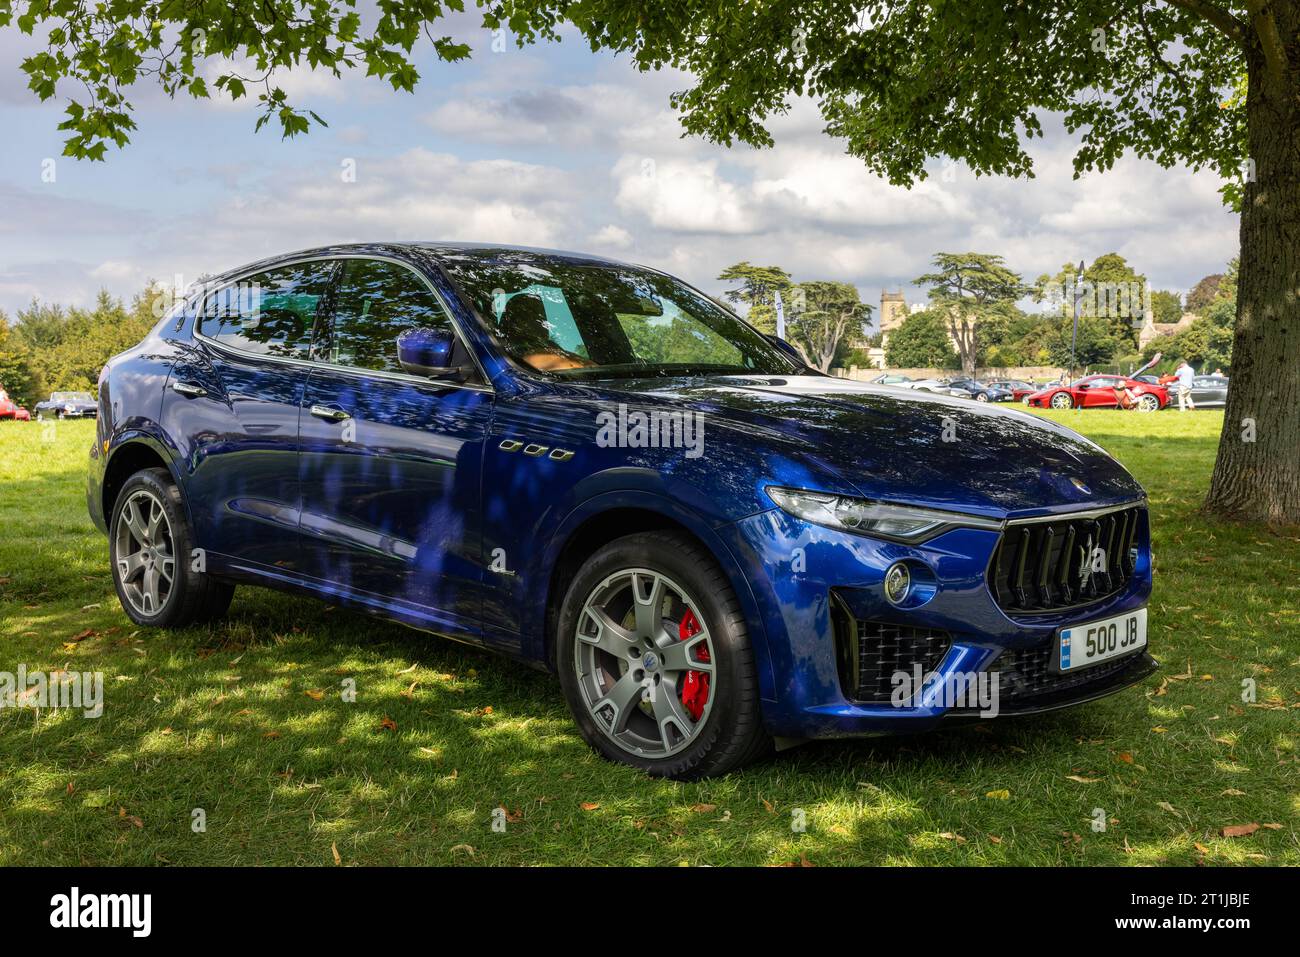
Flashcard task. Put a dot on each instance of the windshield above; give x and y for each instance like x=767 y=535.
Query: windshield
x=71 y=397
x=589 y=320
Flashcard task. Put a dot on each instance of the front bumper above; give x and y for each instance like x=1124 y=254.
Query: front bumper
x=811 y=583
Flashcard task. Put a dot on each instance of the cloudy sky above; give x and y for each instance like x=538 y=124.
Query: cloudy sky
x=548 y=146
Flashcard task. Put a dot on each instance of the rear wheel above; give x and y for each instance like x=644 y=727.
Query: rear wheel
x=654 y=659
x=151 y=549
x=1148 y=403
x=1062 y=400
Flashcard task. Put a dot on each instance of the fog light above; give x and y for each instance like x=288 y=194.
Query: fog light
x=898 y=581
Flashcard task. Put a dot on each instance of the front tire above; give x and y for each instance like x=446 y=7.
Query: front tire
x=982 y=397
x=150 y=547
x=1062 y=400
x=654 y=658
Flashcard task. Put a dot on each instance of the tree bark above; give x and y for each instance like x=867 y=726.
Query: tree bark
x=1257 y=474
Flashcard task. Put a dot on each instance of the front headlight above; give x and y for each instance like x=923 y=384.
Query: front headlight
x=905 y=523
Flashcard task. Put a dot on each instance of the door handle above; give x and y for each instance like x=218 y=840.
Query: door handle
x=330 y=413
x=189 y=389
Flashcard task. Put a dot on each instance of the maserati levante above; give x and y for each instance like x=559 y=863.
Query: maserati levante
x=594 y=468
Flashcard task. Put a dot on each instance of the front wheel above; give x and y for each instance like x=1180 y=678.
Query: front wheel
x=654 y=658
x=1148 y=403
x=982 y=397
x=1062 y=400
x=158 y=581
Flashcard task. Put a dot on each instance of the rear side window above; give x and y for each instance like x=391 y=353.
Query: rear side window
x=272 y=313
x=374 y=303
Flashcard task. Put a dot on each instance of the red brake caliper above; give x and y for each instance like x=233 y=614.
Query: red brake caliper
x=695 y=687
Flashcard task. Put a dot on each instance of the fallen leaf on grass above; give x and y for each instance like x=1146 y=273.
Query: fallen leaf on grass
x=590 y=805
x=463 y=847
x=950 y=836
x=1081 y=780
x=271 y=735
x=704 y=808
x=1240 y=830
x=407 y=671
x=1232 y=792
x=129 y=818
x=994 y=839
x=316 y=694
x=1272 y=827
x=999 y=795
x=512 y=817
x=771 y=808
x=334 y=850
x=388 y=724
x=1125 y=757
x=1166 y=806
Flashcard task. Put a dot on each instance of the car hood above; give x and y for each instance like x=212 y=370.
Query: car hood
x=910 y=447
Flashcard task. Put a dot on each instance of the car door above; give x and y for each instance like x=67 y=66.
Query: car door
x=232 y=405
x=1100 y=393
x=391 y=464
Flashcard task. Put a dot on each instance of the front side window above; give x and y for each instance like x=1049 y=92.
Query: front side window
x=581 y=319
x=272 y=313
x=374 y=303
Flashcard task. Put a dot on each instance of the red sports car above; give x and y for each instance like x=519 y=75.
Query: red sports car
x=11 y=410
x=1100 y=392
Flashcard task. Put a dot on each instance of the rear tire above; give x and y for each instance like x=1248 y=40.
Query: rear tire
x=623 y=665
x=150 y=548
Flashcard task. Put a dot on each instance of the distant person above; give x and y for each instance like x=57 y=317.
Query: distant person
x=1218 y=371
x=1183 y=385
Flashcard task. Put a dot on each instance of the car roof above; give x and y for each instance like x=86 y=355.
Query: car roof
x=432 y=248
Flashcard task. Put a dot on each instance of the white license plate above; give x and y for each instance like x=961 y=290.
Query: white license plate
x=1084 y=645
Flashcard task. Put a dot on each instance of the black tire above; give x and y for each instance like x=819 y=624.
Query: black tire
x=194 y=596
x=733 y=733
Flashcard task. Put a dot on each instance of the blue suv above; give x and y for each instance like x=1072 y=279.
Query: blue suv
x=596 y=469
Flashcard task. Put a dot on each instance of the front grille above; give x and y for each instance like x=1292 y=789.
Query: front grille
x=883 y=649
x=1027 y=673
x=1045 y=565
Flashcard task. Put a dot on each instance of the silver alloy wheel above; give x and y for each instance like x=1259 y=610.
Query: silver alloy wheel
x=145 y=554
x=982 y=397
x=1148 y=403
x=631 y=664
x=1062 y=400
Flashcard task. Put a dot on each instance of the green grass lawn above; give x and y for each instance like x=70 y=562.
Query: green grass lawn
x=244 y=719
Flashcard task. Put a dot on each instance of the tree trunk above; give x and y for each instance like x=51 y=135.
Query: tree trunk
x=1257 y=474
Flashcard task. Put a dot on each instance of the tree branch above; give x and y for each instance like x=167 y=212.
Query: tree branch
x=1212 y=13
x=1270 y=39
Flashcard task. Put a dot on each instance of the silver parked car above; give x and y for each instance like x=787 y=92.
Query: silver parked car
x=1210 y=390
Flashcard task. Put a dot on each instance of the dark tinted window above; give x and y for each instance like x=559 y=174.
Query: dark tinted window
x=375 y=302
x=272 y=313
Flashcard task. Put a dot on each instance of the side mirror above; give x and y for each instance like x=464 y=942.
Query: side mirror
x=788 y=350
x=1084 y=385
x=427 y=352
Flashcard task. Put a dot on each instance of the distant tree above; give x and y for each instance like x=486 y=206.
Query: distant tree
x=1109 y=289
x=967 y=289
x=921 y=341
x=757 y=290
x=1166 y=306
x=1096 y=343
x=77 y=342
x=41 y=326
x=1204 y=293
x=820 y=315
x=16 y=374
